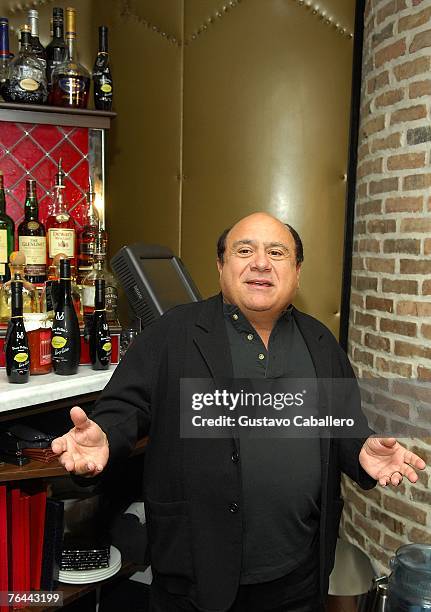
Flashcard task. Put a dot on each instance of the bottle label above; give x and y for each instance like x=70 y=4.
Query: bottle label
x=33 y=225
x=34 y=249
x=20 y=357
x=72 y=85
x=107 y=346
x=61 y=241
x=58 y=342
x=29 y=84
x=87 y=248
x=106 y=88
x=111 y=299
x=45 y=357
x=3 y=246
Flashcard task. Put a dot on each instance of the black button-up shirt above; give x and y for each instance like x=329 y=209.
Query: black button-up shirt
x=281 y=478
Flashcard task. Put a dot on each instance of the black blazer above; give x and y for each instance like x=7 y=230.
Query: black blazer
x=195 y=533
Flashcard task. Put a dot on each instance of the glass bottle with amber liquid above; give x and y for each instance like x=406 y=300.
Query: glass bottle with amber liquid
x=102 y=77
x=7 y=231
x=87 y=236
x=32 y=237
x=100 y=337
x=70 y=80
x=16 y=342
x=60 y=225
x=66 y=342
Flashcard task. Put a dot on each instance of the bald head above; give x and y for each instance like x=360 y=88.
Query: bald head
x=261 y=216
x=258 y=266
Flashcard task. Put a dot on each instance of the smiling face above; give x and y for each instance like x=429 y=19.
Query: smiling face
x=259 y=272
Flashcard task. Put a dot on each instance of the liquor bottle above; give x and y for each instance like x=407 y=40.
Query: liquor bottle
x=60 y=225
x=87 y=237
x=100 y=337
x=16 y=342
x=66 y=342
x=38 y=48
x=5 y=55
x=100 y=270
x=102 y=77
x=70 y=80
x=49 y=298
x=32 y=237
x=7 y=235
x=29 y=291
x=56 y=49
x=27 y=77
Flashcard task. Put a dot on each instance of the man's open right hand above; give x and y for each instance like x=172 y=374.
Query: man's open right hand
x=84 y=449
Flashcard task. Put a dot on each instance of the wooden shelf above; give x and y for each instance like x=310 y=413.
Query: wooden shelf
x=72 y=592
x=55 y=115
x=37 y=469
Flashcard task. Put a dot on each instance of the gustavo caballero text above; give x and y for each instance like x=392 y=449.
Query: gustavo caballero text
x=247 y=421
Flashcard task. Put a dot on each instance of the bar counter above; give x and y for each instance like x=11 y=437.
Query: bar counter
x=51 y=387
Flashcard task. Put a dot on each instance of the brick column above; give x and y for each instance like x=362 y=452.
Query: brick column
x=390 y=320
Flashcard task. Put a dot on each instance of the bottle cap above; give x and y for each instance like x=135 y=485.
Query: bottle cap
x=33 y=14
x=31 y=187
x=4 y=21
x=17 y=258
x=57 y=11
x=70 y=21
x=59 y=177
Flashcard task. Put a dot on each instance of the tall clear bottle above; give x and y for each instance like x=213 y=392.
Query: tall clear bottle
x=27 y=76
x=70 y=80
x=100 y=271
x=87 y=237
x=102 y=77
x=60 y=225
x=16 y=343
x=38 y=48
x=5 y=54
x=32 y=237
x=7 y=235
x=100 y=336
x=66 y=342
x=56 y=49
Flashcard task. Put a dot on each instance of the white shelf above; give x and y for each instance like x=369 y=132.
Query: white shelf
x=51 y=387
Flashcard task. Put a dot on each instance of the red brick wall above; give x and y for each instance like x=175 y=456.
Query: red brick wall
x=390 y=325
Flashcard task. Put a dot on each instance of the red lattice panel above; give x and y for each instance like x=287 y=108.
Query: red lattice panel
x=32 y=151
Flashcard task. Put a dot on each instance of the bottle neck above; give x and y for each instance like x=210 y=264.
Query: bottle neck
x=25 y=43
x=66 y=287
x=2 y=198
x=58 y=207
x=16 y=307
x=103 y=41
x=34 y=26
x=31 y=211
x=58 y=29
x=71 y=48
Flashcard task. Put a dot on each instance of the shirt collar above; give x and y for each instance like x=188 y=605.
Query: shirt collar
x=232 y=313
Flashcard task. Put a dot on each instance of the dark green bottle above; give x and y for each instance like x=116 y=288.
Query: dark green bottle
x=7 y=235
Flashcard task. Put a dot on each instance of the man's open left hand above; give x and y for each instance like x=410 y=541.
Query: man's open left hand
x=387 y=461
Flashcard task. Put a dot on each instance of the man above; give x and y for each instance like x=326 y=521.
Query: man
x=234 y=525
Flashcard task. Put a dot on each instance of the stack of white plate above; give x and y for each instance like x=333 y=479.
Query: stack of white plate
x=95 y=575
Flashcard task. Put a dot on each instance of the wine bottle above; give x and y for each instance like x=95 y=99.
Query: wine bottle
x=32 y=238
x=66 y=342
x=16 y=342
x=60 y=225
x=38 y=48
x=100 y=337
x=5 y=54
x=70 y=80
x=102 y=77
x=7 y=235
x=56 y=49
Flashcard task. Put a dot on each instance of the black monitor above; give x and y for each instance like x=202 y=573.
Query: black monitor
x=153 y=279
